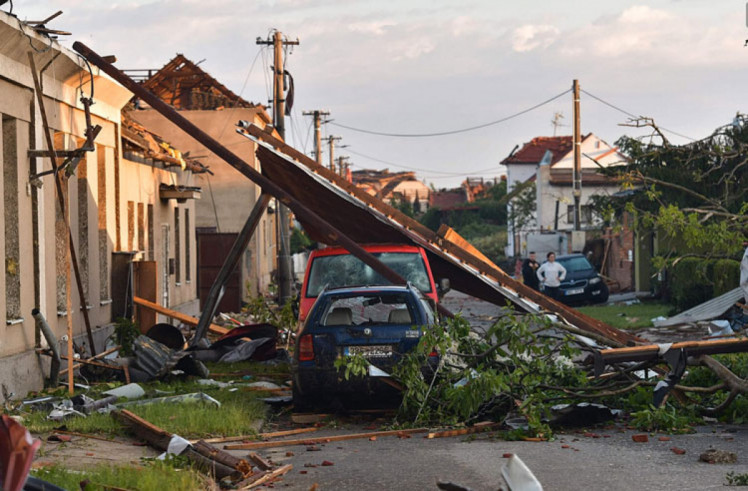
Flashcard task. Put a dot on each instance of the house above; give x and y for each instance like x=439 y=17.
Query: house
x=229 y=196
x=129 y=203
x=544 y=166
x=393 y=186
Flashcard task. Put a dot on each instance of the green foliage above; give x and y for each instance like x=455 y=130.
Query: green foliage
x=125 y=332
x=431 y=219
x=665 y=418
x=627 y=316
x=735 y=479
x=492 y=245
x=300 y=242
x=353 y=366
x=153 y=474
x=403 y=205
x=523 y=206
x=484 y=375
x=263 y=309
x=695 y=280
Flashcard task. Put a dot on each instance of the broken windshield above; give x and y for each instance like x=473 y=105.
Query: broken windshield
x=348 y=270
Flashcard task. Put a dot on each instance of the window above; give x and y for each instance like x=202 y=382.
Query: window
x=12 y=248
x=585 y=213
x=177 y=248
x=187 y=259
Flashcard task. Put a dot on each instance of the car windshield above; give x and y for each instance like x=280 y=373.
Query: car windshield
x=578 y=263
x=380 y=308
x=348 y=270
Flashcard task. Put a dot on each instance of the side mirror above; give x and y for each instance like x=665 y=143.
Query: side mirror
x=443 y=287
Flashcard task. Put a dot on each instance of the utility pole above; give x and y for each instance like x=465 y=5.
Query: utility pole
x=285 y=275
x=331 y=143
x=342 y=166
x=577 y=159
x=317 y=114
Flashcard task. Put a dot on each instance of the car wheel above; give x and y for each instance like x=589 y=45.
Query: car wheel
x=604 y=294
x=301 y=403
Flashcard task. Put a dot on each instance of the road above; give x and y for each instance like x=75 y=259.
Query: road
x=606 y=459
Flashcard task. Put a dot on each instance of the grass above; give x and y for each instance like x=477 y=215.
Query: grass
x=152 y=475
x=628 y=316
x=238 y=415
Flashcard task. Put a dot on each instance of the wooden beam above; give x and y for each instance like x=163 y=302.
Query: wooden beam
x=261 y=436
x=249 y=484
x=478 y=428
x=312 y=441
x=186 y=319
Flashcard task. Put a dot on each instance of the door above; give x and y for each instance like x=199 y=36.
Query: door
x=212 y=249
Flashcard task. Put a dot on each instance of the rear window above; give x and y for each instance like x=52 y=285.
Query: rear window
x=348 y=270
x=579 y=263
x=370 y=308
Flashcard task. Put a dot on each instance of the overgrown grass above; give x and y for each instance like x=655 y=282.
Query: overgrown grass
x=238 y=415
x=256 y=369
x=628 y=316
x=153 y=475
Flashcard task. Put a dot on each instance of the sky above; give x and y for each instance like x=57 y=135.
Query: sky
x=435 y=66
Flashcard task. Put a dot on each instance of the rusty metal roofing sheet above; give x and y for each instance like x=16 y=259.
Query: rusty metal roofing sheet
x=708 y=310
x=367 y=219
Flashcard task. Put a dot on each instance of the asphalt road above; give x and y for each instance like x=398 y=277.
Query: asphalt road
x=596 y=459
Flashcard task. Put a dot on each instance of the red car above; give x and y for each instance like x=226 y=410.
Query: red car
x=335 y=267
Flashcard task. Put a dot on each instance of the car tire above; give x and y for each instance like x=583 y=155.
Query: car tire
x=604 y=294
x=301 y=403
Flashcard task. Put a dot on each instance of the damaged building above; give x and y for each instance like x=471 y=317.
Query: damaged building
x=130 y=202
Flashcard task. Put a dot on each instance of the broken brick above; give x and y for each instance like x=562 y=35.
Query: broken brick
x=507 y=455
x=303 y=472
x=373 y=439
x=313 y=448
x=664 y=439
x=289 y=454
x=327 y=463
x=678 y=451
x=565 y=446
x=640 y=438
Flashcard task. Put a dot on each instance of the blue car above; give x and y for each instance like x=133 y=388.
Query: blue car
x=380 y=323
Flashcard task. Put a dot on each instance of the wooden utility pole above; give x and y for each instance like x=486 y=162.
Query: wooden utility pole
x=285 y=275
x=317 y=114
x=331 y=143
x=577 y=159
x=342 y=166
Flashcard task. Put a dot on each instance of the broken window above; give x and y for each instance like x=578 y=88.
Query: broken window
x=177 y=248
x=102 y=231
x=187 y=259
x=10 y=190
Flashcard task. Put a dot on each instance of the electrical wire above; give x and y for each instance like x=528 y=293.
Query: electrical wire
x=454 y=132
x=631 y=115
x=430 y=171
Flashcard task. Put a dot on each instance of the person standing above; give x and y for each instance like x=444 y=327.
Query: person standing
x=551 y=274
x=744 y=273
x=529 y=268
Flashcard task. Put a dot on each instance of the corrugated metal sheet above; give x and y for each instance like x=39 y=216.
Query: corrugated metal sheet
x=365 y=219
x=712 y=309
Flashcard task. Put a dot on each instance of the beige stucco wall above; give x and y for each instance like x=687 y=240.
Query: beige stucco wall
x=20 y=366
x=228 y=196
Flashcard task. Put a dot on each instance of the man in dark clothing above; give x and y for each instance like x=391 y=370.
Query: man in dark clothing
x=529 y=268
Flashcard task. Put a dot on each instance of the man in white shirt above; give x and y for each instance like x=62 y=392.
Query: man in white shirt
x=551 y=274
x=744 y=273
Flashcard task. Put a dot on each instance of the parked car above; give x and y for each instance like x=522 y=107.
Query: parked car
x=380 y=323
x=335 y=267
x=582 y=282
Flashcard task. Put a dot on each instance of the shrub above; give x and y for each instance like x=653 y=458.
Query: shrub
x=726 y=276
x=690 y=282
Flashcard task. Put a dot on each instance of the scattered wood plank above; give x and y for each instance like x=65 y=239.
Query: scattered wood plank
x=261 y=463
x=261 y=436
x=96 y=357
x=326 y=439
x=308 y=418
x=187 y=319
x=268 y=476
x=478 y=428
x=222 y=457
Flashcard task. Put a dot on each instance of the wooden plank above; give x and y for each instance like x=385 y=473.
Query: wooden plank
x=312 y=441
x=270 y=475
x=653 y=348
x=187 y=319
x=261 y=436
x=258 y=461
x=478 y=428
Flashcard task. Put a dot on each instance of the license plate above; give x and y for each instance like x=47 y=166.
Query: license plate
x=374 y=351
x=575 y=291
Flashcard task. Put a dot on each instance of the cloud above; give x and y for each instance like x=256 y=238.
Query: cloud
x=530 y=37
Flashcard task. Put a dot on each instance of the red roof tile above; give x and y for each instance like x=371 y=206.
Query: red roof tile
x=533 y=151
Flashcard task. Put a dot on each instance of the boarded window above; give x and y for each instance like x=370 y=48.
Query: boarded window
x=130 y=226
x=101 y=175
x=187 y=251
x=177 y=247
x=141 y=227
x=10 y=190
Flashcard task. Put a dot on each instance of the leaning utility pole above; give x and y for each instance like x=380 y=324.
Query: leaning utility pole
x=317 y=114
x=331 y=143
x=285 y=276
x=577 y=159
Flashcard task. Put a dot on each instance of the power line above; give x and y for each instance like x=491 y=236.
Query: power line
x=431 y=171
x=634 y=116
x=453 y=132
